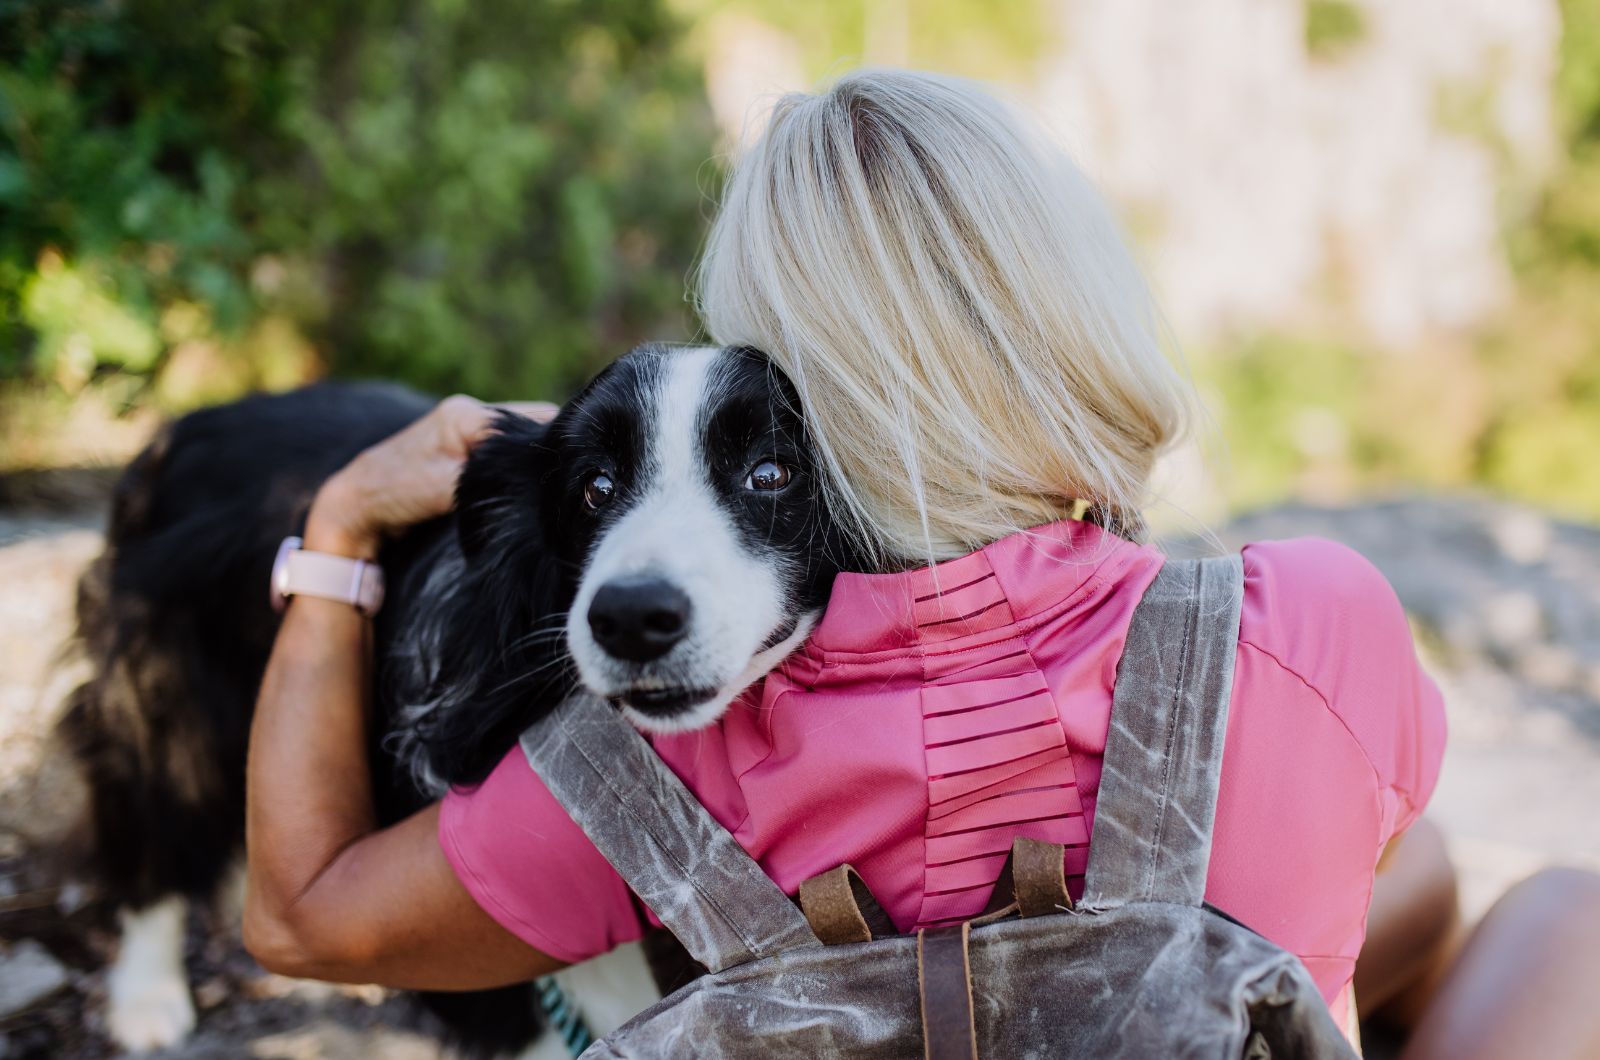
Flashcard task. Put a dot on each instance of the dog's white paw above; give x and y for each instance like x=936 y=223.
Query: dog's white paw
x=148 y=1002
x=153 y=1014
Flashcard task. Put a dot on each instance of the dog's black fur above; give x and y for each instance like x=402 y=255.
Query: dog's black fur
x=176 y=620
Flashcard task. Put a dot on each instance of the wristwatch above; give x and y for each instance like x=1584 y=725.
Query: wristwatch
x=297 y=572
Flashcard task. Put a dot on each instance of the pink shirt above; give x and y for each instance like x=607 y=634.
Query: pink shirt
x=936 y=714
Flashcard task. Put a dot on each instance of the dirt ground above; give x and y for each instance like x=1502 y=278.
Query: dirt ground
x=1506 y=604
x=244 y=1012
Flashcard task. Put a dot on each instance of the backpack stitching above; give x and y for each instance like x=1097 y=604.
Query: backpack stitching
x=1175 y=717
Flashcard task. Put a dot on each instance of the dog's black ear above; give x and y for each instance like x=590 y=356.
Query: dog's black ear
x=489 y=649
x=496 y=659
x=500 y=486
x=490 y=657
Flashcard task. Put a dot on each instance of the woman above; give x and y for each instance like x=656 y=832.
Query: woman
x=977 y=355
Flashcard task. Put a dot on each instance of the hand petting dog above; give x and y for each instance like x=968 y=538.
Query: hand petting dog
x=405 y=479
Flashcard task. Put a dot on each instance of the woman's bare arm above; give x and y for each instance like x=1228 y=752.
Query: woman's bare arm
x=1413 y=926
x=329 y=895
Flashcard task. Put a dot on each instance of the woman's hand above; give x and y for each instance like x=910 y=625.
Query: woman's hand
x=405 y=479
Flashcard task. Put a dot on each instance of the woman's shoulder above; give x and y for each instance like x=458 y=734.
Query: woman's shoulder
x=1319 y=610
x=1323 y=613
x=1320 y=607
x=1317 y=605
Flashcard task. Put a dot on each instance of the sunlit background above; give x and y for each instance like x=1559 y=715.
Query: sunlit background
x=1374 y=225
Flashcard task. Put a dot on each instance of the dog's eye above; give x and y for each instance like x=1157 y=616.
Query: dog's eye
x=598 y=491
x=769 y=475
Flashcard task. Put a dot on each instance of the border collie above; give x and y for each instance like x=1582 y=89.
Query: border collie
x=663 y=542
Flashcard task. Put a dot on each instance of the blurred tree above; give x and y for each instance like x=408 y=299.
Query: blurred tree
x=1544 y=360
x=1333 y=27
x=491 y=196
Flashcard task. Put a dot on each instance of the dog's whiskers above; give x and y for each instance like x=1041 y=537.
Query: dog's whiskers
x=529 y=675
x=550 y=628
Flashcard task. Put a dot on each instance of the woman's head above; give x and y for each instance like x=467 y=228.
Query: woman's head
x=973 y=343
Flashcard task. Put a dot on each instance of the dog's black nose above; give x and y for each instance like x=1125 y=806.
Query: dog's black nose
x=639 y=618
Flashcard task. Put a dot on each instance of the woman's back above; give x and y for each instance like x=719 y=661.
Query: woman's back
x=936 y=714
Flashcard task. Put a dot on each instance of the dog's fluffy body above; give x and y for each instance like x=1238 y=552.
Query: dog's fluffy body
x=661 y=471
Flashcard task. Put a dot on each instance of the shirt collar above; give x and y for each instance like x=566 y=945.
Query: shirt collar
x=1000 y=585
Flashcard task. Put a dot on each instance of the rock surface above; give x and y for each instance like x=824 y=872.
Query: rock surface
x=28 y=975
x=56 y=941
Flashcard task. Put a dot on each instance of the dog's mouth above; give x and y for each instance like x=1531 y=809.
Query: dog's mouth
x=651 y=697
x=664 y=701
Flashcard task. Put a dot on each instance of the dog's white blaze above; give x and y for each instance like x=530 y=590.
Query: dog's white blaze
x=148 y=1003
x=678 y=530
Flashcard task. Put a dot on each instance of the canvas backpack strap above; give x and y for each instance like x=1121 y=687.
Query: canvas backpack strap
x=680 y=862
x=1169 y=717
x=944 y=985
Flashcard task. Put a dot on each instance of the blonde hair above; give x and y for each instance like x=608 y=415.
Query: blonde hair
x=973 y=345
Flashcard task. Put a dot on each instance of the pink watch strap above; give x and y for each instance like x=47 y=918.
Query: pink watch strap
x=298 y=572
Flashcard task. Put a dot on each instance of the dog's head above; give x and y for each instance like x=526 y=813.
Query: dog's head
x=677 y=503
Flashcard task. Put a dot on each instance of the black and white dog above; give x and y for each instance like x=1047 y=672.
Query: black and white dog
x=663 y=541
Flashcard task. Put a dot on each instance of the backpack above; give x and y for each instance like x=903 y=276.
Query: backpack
x=1139 y=967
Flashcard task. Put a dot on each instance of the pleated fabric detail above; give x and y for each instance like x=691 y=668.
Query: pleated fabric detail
x=998 y=765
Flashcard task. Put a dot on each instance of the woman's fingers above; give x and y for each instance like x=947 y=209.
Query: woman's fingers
x=469 y=420
x=411 y=476
x=462 y=423
x=540 y=411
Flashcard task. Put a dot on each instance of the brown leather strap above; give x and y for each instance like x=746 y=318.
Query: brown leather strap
x=944 y=979
x=1040 y=875
x=841 y=909
x=1033 y=882
x=1002 y=900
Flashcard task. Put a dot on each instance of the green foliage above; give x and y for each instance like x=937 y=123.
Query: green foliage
x=492 y=196
x=1545 y=359
x=79 y=323
x=1578 y=83
x=973 y=38
x=1333 y=27
x=1518 y=411
x=1319 y=418
x=1287 y=404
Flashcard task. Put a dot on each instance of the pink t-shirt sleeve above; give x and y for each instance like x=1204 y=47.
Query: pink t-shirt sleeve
x=1335 y=740
x=1332 y=619
x=530 y=867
